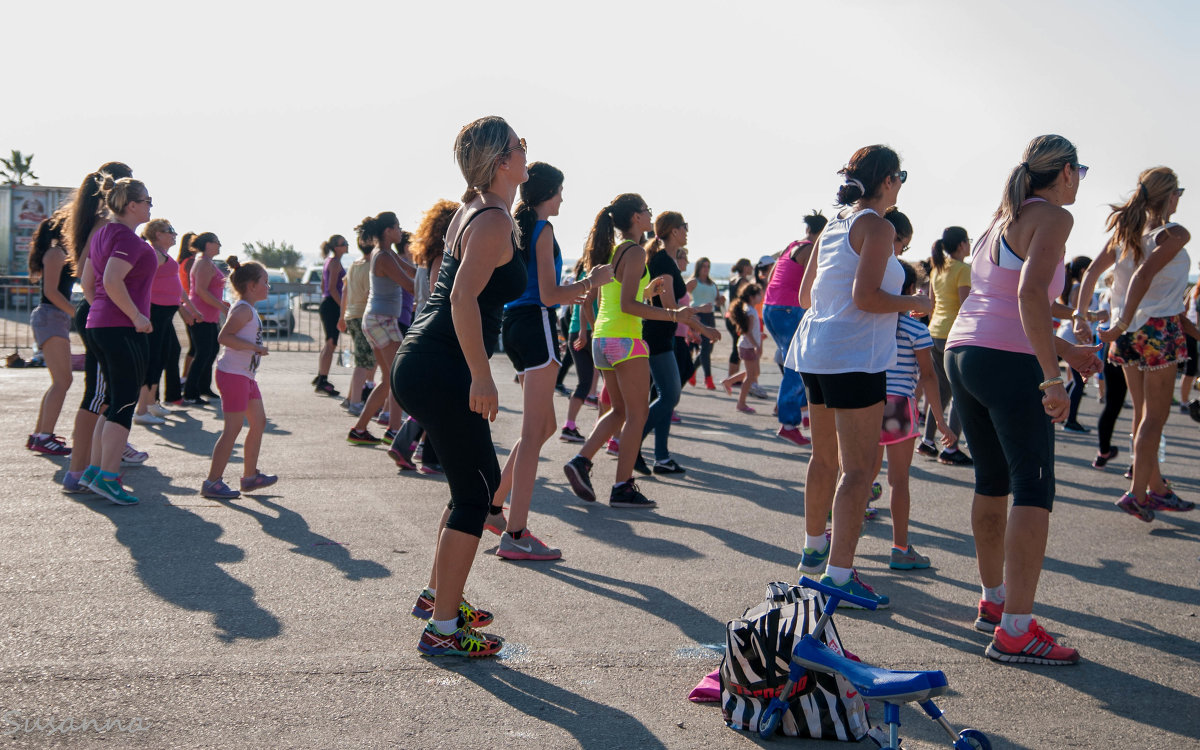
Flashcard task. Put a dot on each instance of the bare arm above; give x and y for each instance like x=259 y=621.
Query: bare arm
x=877 y=235
x=1171 y=242
x=53 y=263
x=87 y=281
x=632 y=265
x=335 y=289
x=238 y=318
x=204 y=270
x=549 y=290
x=810 y=273
x=114 y=286
x=387 y=264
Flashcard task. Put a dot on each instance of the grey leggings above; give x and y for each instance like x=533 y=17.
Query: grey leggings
x=939 y=366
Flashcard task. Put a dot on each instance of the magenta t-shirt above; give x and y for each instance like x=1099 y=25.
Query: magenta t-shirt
x=115 y=240
x=784 y=288
x=167 y=288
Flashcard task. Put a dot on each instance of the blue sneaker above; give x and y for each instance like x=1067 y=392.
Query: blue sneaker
x=113 y=491
x=812 y=561
x=856 y=587
x=90 y=474
x=73 y=484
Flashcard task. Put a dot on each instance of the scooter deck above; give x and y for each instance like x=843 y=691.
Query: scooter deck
x=895 y=686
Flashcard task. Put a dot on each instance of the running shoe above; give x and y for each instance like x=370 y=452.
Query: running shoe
x=989 y=616
x=1102 y=459
x=1033 y=647
x=955 y=458
x=812 y=561
x=197 y=401
x=675 y=418
x=794 y=435
x=1194 y=410
x=467 y=615
x=431 y=468
x=327 y=388
x=1168 y=502
x=402 y=455
x=692 y=380
x=571 y=435
x=132 y=455
x=613 y=448
x=668 y=467
x=876 y=491
x=88 y=476
x=1136 y=508
x=1075 y=427
x=50 y=445
x=909 y=559
x=159 y=410
x=854 y=585
x=258 y=481
x=1129 y=472
x=528 y=547
x=626 y=495
x=210 y=395
x=218 y=490
x=870 y=514
x=579 y=474
x=465 y=641
x=176 y=403
x=563 y=389
x=361 y=437
x=112 y=490
x=639 y=465
x=356 y=409
x=384 y=418
x=71 y=484
x=418 y=451
x=592 y=401
x=496 y=522
x=758 y=391
x=148 y=419
x=389 y=435
x=709 y=384
x=804 y=422
x=928 y=450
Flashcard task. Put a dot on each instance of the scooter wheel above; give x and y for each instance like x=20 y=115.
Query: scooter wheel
x=972 y=739
x=769 y=721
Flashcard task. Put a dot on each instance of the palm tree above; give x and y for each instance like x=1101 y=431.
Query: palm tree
x=17 y=169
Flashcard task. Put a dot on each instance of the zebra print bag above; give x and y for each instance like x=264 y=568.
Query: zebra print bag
x=758 y=652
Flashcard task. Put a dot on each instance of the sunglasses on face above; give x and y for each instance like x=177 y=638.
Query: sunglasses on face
x=1083 y=170
x=1179 y=192
x=521 y=145
x=149 y=203
x=170 y=230
x=902 y=175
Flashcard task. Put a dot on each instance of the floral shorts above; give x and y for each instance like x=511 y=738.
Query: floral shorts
x=1158 y=344
x=610 y=352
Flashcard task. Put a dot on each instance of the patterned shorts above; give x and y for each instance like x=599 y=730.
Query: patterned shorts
x=610 y=352
x=1158 y=344
x=364 y=355
x=381 y=330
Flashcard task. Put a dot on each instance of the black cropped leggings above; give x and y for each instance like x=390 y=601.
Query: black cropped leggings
x=162 y=319
x=434 y=389
x=585 y=367
x=1115 y=389
x=123 y=353
x=199 y=379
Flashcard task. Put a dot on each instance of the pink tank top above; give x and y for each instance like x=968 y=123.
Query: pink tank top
x=216 y=287
x=991 y=317
x=167 y=288
x=784 y=288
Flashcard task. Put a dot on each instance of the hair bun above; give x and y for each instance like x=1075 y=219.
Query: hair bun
x=233 y=262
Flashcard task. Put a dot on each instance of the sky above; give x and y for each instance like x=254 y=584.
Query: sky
x=262 y=124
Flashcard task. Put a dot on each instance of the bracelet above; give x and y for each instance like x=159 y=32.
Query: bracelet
x=587 y=283
x=673 y=318
x=1120 y=325
x=1046 y=384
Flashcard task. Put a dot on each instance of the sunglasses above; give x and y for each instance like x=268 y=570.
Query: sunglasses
x=520 y=145
x=1179 y=192
x=170 y=230
x=145 y=200
x=902 y=175
x=1083 y=170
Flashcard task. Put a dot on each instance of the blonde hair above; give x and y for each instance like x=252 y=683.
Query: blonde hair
x=1044 y=158
x=153 y=227
x=118 y=194
x=1128 y=221
x=478 y=149
x=667 y=222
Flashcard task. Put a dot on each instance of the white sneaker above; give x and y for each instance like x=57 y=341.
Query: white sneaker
x=148 y=419
x=159 y=410
x=132 y=455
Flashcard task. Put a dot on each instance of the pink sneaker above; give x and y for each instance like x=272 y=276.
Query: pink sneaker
x=614 y=447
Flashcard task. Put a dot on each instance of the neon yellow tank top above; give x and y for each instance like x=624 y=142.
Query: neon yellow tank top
x=610 y=321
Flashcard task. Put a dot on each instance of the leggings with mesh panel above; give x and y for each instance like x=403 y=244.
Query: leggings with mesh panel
x=123 y=354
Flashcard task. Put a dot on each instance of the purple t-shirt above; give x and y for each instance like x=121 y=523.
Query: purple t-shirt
x=116 y=240
x=326 y=287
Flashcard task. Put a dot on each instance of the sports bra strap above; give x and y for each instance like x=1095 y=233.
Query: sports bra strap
x=621 y=254
x=462 y=230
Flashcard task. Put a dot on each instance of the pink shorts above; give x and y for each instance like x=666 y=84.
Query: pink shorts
x=237 y=391
x=899 y=420
x=748 y=354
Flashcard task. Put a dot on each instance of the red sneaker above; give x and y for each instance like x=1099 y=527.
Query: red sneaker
x=1033 y=647
x=465 y=641
x=51 y=445
x=793 y=434
x=989 y=616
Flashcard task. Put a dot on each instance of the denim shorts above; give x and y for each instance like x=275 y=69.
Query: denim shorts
x=47 y=322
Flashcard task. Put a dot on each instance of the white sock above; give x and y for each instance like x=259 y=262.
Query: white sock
x=819 y=543
x=445 y=627
x=1015 y=625
x=994 y=594
x=839 y=575
x=40 y=436
x=789 y=427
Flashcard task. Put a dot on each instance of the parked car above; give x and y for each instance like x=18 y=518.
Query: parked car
x=311 y=300
x=276 y=310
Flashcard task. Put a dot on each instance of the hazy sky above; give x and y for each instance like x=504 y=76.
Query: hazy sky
x=268 y=121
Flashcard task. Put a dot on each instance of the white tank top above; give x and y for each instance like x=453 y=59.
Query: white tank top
x=834 y=335
x=1164 y=298
x=243 y=361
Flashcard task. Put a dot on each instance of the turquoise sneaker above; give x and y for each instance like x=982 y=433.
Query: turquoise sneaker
x=812 y=562
x=856 y=587
x=89 y=475
x=113 y=491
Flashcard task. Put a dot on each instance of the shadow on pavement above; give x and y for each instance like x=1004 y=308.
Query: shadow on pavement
x=289 y=526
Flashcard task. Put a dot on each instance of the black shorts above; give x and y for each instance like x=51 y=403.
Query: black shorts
x=1011 y=436
x=530 y=336
x=1190 y=367
x=845 y=390
x=330 y=312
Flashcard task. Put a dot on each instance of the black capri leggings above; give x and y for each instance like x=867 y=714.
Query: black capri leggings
x=585 y=368
x=330 y=312
x=199 y=379
x=93 y=381
x=1115 y=389
x=1011 y=436
x=162 y=319
x=734 y=359
x=434 y=388
x=123 y=353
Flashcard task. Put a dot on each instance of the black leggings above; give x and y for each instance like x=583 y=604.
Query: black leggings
x=161 y=320
x=1115 y=389
x=434 y=389
x=199 y=379
x=122 y=353
x=1011 y=436
x=704 y=362
x=734 y=359
x=330 y=312
x=568 y=354
x=683 y=359
x=172 y=388
x=1075 y=393
x=93 y=381
x=585 y=367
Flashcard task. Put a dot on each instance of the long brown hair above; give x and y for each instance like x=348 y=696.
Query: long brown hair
x=86 y=208
x=1128 y=221
x=616 y=215
x=1044 y=158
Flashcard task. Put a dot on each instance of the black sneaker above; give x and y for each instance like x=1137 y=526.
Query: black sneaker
x=639 y=465
x=626 y=495
x=927 y=450
x=197 y=401
x=1075 y=427
x=571 y=435
x=563 y=389
x=361 y=437
x=579 y=471
x=955 y=458
x=668 y=467
x=1194 y=410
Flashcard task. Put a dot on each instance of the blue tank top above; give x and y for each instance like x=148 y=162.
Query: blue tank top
x=533 y=295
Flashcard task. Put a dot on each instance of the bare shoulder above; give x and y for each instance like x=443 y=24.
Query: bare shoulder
x=1050 y=216
x=1177 y=234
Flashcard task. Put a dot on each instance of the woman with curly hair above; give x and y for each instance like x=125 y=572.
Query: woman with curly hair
x=51 y=323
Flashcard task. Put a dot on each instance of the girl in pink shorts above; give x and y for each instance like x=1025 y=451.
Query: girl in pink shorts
x=744 y=314
x=240 y=398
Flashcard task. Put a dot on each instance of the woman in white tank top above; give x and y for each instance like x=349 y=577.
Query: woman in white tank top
x=842 y=349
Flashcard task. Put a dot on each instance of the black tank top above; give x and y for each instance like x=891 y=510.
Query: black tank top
x=65 y=282
x=433 y=330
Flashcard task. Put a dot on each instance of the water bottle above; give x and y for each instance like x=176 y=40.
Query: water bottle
x=1162 y=449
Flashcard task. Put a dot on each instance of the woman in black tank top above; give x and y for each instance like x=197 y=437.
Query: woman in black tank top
x=51 y=323
x=442 y=378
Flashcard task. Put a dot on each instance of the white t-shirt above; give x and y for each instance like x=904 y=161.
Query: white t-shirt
x=753 y=337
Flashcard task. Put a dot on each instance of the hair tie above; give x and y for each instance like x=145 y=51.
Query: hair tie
x=856 y=183
x=1143 y=193
x=1027 y=167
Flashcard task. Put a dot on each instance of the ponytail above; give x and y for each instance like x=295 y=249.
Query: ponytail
x=85 y=209
x=616 y=215
x=327 y=247
x=48 y=233
x=1127 y=222
x=952 y=237
x=545 y=181
x=737 y=311
x=185 y=247
x=1044 y=158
